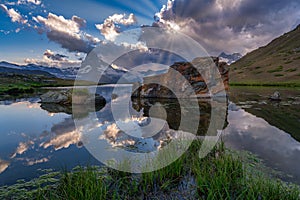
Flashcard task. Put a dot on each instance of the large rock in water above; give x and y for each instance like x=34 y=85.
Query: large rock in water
x=70 y=96
x=63 y=97
x=183 y=80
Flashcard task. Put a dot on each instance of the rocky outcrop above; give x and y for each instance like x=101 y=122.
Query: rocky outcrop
x=186 y=79
x=63 y=97
x=78 y=102
x=69 y=97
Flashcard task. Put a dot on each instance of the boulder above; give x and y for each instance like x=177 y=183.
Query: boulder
x=185 y=80
x=63 y=97
x=275 y=96
x=70 y=96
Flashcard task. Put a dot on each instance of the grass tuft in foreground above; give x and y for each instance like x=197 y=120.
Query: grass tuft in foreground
x=221 y=175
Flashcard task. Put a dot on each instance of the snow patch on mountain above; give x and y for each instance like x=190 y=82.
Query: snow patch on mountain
x=230 y=58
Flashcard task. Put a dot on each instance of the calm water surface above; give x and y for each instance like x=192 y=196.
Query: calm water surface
x=35 y=137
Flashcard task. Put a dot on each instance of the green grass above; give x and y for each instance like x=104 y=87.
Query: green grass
x=271 y=84
x=288 y=62
x=257 y=72
x=278 y=75
x=226 y=177
x=19 y=84
x=278 y=69
x=291 y=70
x=220 y=175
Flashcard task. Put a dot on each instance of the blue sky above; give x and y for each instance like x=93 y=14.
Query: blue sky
x=32 y=31
x=16 y=46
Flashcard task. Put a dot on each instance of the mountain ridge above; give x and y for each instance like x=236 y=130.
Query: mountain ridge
x=275 y=63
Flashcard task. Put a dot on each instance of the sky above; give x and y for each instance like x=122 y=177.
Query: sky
x=61 y=33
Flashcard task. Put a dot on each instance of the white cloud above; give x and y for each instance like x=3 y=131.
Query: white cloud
x=228 y=4
x=62 y=25
x=52 y=63
x=166 y=12
x=52 y=59
x=110 y=29
x=91 y=38
x=141 y=46
x=230 y=25
x=67 y=32
x=36 y=2
x=14 y=15
x=121 y=19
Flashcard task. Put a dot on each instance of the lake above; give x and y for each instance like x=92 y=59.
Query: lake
x=37 y=137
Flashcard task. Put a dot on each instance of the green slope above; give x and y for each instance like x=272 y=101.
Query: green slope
x=277 y=63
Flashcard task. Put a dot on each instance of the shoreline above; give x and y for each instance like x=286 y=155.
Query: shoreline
x=245 y=177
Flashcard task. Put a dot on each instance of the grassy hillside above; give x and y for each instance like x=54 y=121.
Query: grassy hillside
x=277 y=63
x=14 y=84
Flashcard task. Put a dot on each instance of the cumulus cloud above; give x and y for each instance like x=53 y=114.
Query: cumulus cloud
x=141 y=46
x=36 y=2
x=14 y=15
x=92 y=39
x=52 y=59
x=110 y=29
x=51 y=55
x=230 y=25
x=166 y=16
x=67 y=32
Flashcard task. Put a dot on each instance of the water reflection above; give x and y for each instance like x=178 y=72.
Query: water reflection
x=22 y=148
x=62 y=135
x=284 y=115
x=37 y=136
x=76 y=111
x=3 y=165
x=277 y=148
x=32 y=139
x=175 y=112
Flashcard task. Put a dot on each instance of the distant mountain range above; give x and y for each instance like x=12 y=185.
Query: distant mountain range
x=277 y=62
x=230 y=58
x=63 y=73
x=111 y=75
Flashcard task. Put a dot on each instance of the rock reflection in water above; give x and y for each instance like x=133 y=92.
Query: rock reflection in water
x=80 y=111
x=175 y=112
